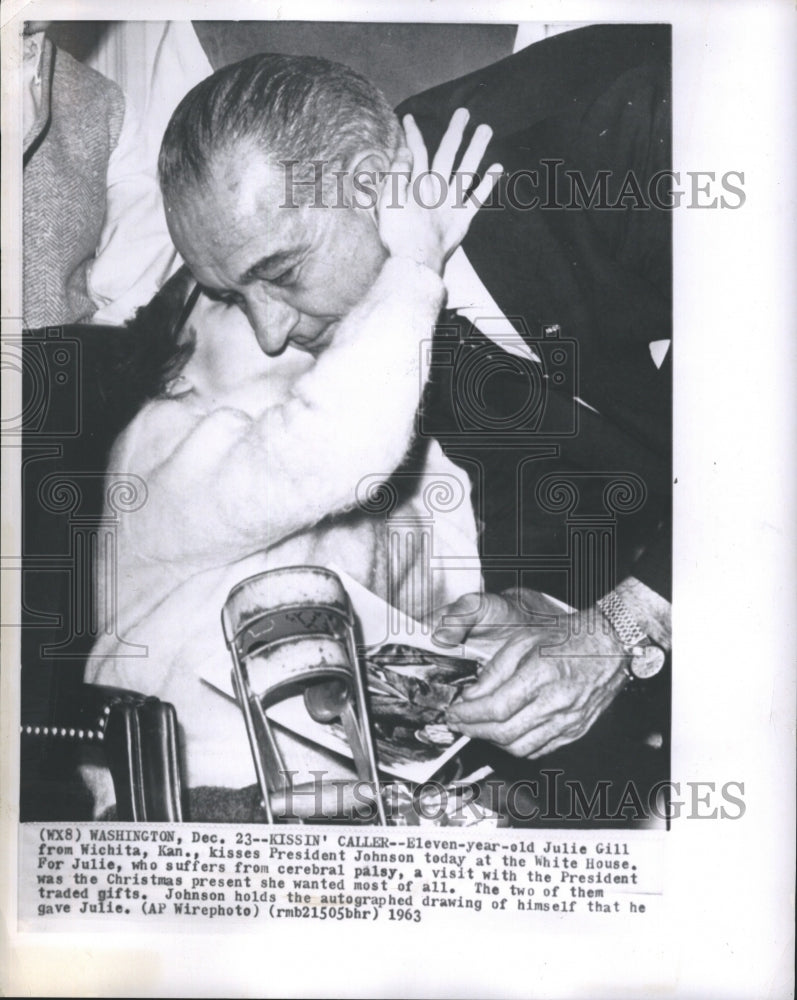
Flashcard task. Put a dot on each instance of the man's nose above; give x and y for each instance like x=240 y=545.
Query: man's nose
x=272 y=321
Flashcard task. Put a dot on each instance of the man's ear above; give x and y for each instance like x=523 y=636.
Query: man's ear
x=366 y=173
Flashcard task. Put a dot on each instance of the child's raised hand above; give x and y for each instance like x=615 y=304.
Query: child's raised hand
x=424 y=214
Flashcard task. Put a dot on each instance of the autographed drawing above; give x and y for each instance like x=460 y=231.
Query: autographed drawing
x=409 y=693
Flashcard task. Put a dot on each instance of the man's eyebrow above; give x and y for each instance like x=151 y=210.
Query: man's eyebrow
x=270 y=262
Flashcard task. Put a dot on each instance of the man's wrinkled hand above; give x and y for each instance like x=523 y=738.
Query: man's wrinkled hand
x=545 y=683
x=493 y=618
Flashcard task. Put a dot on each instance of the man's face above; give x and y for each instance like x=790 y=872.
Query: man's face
x=295 y=272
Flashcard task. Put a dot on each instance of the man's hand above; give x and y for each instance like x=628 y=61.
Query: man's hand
x=423 y=214
x=545 y=684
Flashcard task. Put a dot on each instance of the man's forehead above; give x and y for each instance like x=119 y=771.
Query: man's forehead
x=237 y=217
x=247 y=181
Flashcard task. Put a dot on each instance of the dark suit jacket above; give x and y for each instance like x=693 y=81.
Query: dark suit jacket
x=591 y=100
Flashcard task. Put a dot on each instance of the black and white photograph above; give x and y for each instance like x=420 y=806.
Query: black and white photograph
x=361 y=463
x=221 y=431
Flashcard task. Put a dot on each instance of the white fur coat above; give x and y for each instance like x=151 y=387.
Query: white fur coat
x=248 y=472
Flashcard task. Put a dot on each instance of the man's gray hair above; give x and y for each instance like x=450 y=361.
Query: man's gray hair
x=296 y=108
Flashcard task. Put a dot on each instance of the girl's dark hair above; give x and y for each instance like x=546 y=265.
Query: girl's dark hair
x=125 y=367
x=159 y=346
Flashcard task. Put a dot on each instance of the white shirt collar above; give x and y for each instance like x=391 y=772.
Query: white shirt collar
x=468 y=296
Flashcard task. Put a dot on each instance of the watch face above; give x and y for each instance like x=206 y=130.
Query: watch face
x=646 y=661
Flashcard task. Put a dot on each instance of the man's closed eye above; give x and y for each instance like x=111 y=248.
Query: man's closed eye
x=228 y=298
x=285 y=279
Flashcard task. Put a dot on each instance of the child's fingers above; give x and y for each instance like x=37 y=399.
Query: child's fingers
x=420 y=159
x=482 y=191
x=477 y=146
x=447 y=151
x=402 y=161
x=397 y=179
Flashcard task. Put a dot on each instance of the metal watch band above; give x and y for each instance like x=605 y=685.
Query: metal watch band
x=622 y=621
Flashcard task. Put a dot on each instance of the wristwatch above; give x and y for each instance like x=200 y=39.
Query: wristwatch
x=647 y=658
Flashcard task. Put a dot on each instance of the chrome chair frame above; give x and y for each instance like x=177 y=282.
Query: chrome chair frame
x=279 y=616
